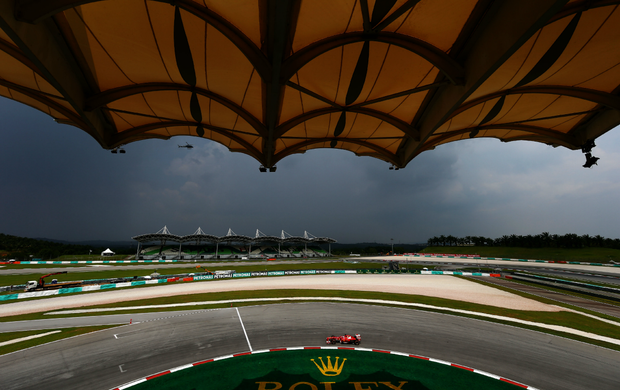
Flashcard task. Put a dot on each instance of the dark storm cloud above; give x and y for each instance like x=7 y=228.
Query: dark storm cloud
x=57 y=182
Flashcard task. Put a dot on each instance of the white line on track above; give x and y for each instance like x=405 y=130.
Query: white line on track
x=27 y=338
x=243 y=327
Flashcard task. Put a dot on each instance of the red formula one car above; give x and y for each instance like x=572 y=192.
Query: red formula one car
x=346 y=339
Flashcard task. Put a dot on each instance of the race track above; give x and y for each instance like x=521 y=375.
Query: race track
x=109 y=358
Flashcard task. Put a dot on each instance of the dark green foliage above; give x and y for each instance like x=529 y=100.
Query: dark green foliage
x=542 y=240
x=21 y=248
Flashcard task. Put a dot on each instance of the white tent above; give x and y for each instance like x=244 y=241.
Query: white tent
x=107 y=252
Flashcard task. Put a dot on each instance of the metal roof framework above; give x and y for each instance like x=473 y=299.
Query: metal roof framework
x=234 y=237
x=262 y=237
x=164 y=235
x=199 y=236
x=388 y=79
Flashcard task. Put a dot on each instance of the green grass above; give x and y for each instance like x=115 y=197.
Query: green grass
x=590 y=255
x=64 y=333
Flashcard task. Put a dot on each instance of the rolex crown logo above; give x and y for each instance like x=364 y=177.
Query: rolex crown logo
x=329 y=369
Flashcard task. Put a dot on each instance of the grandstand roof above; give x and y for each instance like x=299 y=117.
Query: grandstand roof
x=234 y=237
x=316 y=239
x=162 y=235
x=260 y=236
x=386 y=78
x=199 y=235
x=285 y=237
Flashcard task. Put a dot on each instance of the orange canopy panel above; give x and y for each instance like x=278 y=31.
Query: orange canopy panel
x=270 y=78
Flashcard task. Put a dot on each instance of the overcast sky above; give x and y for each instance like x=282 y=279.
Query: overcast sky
x=57 y=182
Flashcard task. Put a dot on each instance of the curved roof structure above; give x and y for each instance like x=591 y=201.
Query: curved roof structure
x=234 y=237
x=199 y=235
x=162 y=235
x=269 y=78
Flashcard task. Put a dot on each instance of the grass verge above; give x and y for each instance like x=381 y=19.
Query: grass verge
x=63 y=334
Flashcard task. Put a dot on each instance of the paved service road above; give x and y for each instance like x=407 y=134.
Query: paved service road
x=112 y=357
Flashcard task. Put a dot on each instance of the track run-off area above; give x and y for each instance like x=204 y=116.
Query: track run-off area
x=156 y=342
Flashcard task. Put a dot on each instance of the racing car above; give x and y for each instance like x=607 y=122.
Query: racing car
x=346 y=339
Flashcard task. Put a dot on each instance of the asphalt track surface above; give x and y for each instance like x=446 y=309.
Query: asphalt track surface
x=589 y=304
x=112 y=357
x=582 y=277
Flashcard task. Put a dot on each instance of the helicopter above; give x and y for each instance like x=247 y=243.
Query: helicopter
x=187 y=146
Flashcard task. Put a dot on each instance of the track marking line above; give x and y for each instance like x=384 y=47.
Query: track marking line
x=120 y=367
x=28 y=338
x=243 y=327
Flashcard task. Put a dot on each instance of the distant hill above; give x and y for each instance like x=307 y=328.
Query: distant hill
x=94 y=243
x=21 y=247
x=366 y=248
x=24 y=248
x=108 y=244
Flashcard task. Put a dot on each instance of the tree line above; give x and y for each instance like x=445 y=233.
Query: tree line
x=21 y=248
x=542 y=240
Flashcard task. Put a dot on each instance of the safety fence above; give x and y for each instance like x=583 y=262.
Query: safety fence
x=89 y=262
x=98 y=287
x=460 y=273
x=406 y=255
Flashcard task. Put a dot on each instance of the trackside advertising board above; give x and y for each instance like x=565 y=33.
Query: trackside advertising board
x=96 y=287
x=203 y=277
x=440 y=255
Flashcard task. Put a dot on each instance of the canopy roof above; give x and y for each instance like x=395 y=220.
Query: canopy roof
x=199 y=235
x=270 y=78
x=162 y=235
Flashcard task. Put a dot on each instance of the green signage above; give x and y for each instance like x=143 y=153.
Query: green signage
x=322 y=369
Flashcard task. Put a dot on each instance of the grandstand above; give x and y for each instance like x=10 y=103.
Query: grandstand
x=200 y=246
